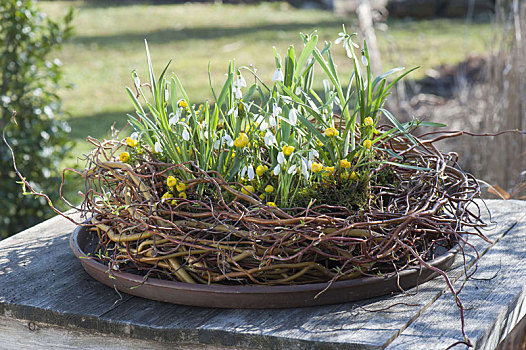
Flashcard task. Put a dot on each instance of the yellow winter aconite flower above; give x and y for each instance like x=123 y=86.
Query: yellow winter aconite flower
x=272 y=204
x=261 y=169
x=329 y=169
x=241 y=141
x=354 y=176
x=316 y=167
x=167 y=195
x=287 y=150
x=131 y=142
x=182 y=103
x=180 y=187
x=124 y=157
x=368 y=121
x=345 y=164
x=320 y=143
x=368 y=144
x=269 y=189
x=331 y=132
x=247 y=189
x=182 y=195
x=171 y=181
x=262 y=196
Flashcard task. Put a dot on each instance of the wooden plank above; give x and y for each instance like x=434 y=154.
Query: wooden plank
x=495 y=301
x=28 y=335
x=41 y=280
x=353 y=325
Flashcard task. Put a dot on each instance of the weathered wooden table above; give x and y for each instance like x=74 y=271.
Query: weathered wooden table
x=48 y=301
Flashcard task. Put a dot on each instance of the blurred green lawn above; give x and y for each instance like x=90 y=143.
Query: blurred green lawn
x=109 y=44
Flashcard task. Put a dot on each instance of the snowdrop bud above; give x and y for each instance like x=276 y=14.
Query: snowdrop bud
x=244 y=171
x=277 y=170
x=241 y=82
x=293 y=118
x=237 y=92
x=364 y=59
x=166 y=94
x=298 y=90
x=186 y=135
x=281 y=158
x=217 y=144
x=304 y=168
x=278 y=75
x=228 y=140
x=157 y=147
x=173 y=119
x=250 y=172
x=134 y=136
x=292 y=169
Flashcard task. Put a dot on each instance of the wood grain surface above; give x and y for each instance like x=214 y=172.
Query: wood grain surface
x=42 y=282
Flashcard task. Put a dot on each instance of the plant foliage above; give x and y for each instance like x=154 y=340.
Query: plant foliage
x=28 y=83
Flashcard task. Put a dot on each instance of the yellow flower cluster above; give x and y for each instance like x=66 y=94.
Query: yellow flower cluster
x=124 y=157
x=261 y=169
x=331 y=132
x=131 y=142
x=287 y=150
x=241 y=141
x=179 y=186
x=368 y=121
x=368 y=144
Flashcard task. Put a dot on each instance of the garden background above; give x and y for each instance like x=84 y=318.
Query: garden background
x=471 y=75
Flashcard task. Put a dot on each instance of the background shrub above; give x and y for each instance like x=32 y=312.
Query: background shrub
x=29 y=80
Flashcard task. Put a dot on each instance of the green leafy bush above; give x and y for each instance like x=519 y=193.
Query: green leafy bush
x=28 y=85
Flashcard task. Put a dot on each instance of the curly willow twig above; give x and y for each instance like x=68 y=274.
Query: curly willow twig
x=241 y=241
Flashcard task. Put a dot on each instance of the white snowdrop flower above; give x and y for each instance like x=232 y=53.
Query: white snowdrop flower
x=244 y=171
x=278 y=75
x=250 y=172
x=272 y=120
x=298 y=90
x=293 y=117
x=305 y=168
x=173 y=119
x=137 y=81
x=186 y=135
x=263 y=126
x=241 y=82
x=166 y=94
x=364 y=59
x=313 y=154
x=340 y=38
x=281 y=158
x=217 y=144
x=234 y=111
x=277 y=170
x=292 y=169
x=228 y=140
x=134 y=136
x=276 y=110
x=269 y=138
x=157 y=148
x=237 y=93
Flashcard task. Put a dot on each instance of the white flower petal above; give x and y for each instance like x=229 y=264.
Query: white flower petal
x=292 y=169
x=134 y=136
x=174 y=119
x=298 y=90
x=241 y=82
x=263 y=126
x=281 y=158
x=272 y=121
x=244 y=171
x=250 y=172
x=339 y=40
x=157 y=147
x=237 y=93
x=364 y=60
x=304 y=168
x=186 y=135
x=278 y=75
x=293 y=117
x=217 y=144
x=166 y=94
x=275 y=110
x=228 y=140
x=270 y=139
x=313 y=154
x=277 y=170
